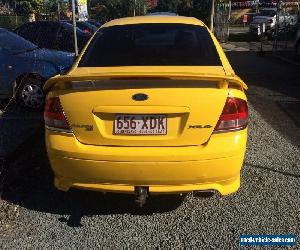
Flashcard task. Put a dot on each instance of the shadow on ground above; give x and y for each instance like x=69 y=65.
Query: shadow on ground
x=17 y=124
x=29 y=184
x=243 y=37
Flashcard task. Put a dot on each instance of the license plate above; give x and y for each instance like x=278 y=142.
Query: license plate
x=140 y=125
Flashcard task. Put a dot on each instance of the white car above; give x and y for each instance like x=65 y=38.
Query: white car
x=269 y=17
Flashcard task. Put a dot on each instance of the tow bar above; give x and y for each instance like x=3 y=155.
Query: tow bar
x=141 y=195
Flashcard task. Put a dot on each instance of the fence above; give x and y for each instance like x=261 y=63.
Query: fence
x=221 y=21
x=11 y=22
x=287 y=26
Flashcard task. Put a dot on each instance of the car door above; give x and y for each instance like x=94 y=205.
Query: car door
x=4 y=73
x=6 y=68
x=64 y=38
x=67 y=41
x=29 y=31
x=48 y=41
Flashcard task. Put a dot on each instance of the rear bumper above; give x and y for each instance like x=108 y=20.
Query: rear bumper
x=214 y=166
x=222 y=175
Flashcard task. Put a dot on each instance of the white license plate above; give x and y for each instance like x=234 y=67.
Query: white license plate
x=140 y=125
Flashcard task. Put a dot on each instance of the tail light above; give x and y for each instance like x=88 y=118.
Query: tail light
x=234 y=116
x=54 y=116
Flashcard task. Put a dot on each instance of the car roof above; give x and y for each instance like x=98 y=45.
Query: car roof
x=39 y=21
x=77 y=21
x=3 y=30
x=162 y=14
x=154 y=19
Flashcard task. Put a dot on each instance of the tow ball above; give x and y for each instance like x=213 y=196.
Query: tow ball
x=141 y=195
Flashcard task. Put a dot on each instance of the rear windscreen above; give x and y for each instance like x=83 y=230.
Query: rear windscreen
x=151 y=45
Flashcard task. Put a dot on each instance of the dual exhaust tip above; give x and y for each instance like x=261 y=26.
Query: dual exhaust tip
x=142 y=193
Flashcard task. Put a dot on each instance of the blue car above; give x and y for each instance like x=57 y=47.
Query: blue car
x=24 y=68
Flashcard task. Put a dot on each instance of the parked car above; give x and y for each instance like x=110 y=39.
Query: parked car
x=268 y=16
x=297 y=44
x=151 y=106
x=25 y=67
x=84 y=27
x=162 y=14
x=53 y=35
x=95 y=23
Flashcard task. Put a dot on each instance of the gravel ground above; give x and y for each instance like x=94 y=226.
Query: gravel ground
x=33 y=215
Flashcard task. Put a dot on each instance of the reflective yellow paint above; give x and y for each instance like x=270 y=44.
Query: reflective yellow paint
x=175 y=73
x=154 y=19
x=162 y=169
x=182 y=161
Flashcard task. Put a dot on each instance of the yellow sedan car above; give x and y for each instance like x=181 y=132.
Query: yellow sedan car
x=151 y=106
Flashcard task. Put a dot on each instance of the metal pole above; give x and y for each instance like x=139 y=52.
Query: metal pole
x=74 y=28
x=16 y=13
x=229 y=19
x=58 y=10
x=212 y=13
x=134 y=8
x=275 y=44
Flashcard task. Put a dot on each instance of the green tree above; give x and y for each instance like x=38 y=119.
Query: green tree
x=141 y=7
x=167 y=6
x=195 y=8
x=201 y=10
x=24 y=7
x=50 y=8
x=105 y=10
x=185 y=7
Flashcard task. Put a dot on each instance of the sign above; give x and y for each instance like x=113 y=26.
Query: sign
x=244 y=4
x=82 y=10
x=140 y=125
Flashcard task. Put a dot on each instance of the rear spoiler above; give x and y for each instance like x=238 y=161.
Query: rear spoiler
x=223 y=80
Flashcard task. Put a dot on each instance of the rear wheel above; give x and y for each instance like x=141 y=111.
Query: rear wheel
x=30 y=92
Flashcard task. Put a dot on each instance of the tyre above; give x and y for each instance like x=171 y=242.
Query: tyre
x=30 y=93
